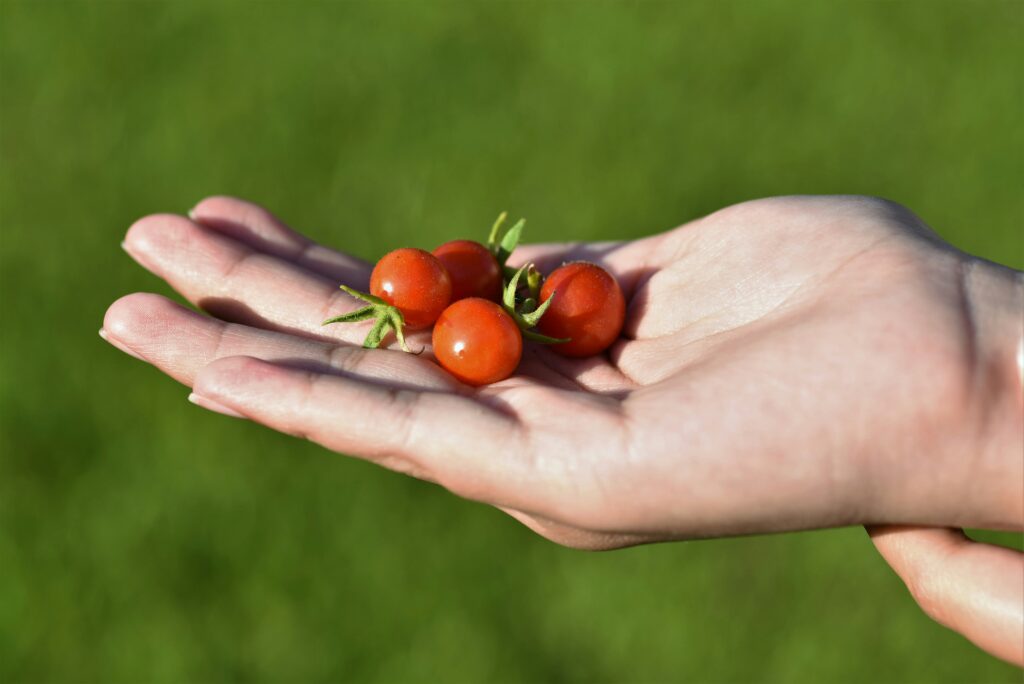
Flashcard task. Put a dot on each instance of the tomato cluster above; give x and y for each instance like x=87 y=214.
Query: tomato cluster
x=481 y=309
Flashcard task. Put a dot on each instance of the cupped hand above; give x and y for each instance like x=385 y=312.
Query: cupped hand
x=786 y=363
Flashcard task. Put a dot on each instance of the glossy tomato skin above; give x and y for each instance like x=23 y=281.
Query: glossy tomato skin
x=473 y=269
x=477 y=341
x=414 y=281
x=588 y=308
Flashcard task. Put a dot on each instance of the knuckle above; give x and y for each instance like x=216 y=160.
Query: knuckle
x=346 y=359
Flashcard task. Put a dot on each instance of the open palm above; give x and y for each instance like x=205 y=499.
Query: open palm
x=787 y=363
x=773 y=357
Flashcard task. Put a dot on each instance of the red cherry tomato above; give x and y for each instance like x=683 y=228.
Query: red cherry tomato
x=588 y=308
x=415 y=282
x=474 y=270
x=477 y=341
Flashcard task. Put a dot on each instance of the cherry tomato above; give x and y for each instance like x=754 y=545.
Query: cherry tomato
x=474 y=270
x=477 y=341
x=588 y=308
x=414 y=281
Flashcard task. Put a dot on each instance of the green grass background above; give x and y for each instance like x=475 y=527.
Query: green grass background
x=143 y=539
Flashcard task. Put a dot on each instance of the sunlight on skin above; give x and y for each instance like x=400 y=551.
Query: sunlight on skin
x=786 y=364
x=1020 y=360
x=975 y=589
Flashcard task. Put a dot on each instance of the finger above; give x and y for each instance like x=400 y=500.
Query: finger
x=255 y=226
x=180 y=342
x=235 y=282
x=974 y=589
x=470 y=448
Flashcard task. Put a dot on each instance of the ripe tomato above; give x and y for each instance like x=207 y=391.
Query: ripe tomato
x=415 y=282
x=474 y=270
x=477 y=341
x=588 y=308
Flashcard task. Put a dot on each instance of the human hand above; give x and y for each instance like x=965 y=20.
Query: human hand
x=786 y=363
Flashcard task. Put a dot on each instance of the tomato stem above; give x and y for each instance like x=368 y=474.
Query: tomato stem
x=534 y=279
x=502 y=242
x=526 y=317
x=386 y=318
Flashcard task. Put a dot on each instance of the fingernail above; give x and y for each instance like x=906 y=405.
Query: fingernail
x=211 y=405
x=191 y=213
x=114 y=342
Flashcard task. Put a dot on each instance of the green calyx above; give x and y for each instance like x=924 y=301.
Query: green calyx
x=502 y=241
x=525 y=310
x=387 y=318
x=528 y=314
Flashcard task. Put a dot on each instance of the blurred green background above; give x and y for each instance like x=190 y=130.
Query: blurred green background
x=143 y=539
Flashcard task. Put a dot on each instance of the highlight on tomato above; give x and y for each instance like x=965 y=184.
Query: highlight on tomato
x=415 y=282
x=408 y=288
x=578 y=310
x=586 y=306
x=477 y=341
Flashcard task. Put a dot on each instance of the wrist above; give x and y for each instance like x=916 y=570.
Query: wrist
x=994 y=305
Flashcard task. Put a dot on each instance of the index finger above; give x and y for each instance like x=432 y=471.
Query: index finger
x=470 y=448
x=259 y=228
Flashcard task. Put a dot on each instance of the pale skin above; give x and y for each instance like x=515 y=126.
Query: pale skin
x=789 y=363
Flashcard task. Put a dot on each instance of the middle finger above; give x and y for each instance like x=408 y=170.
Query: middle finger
x=180 y=342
